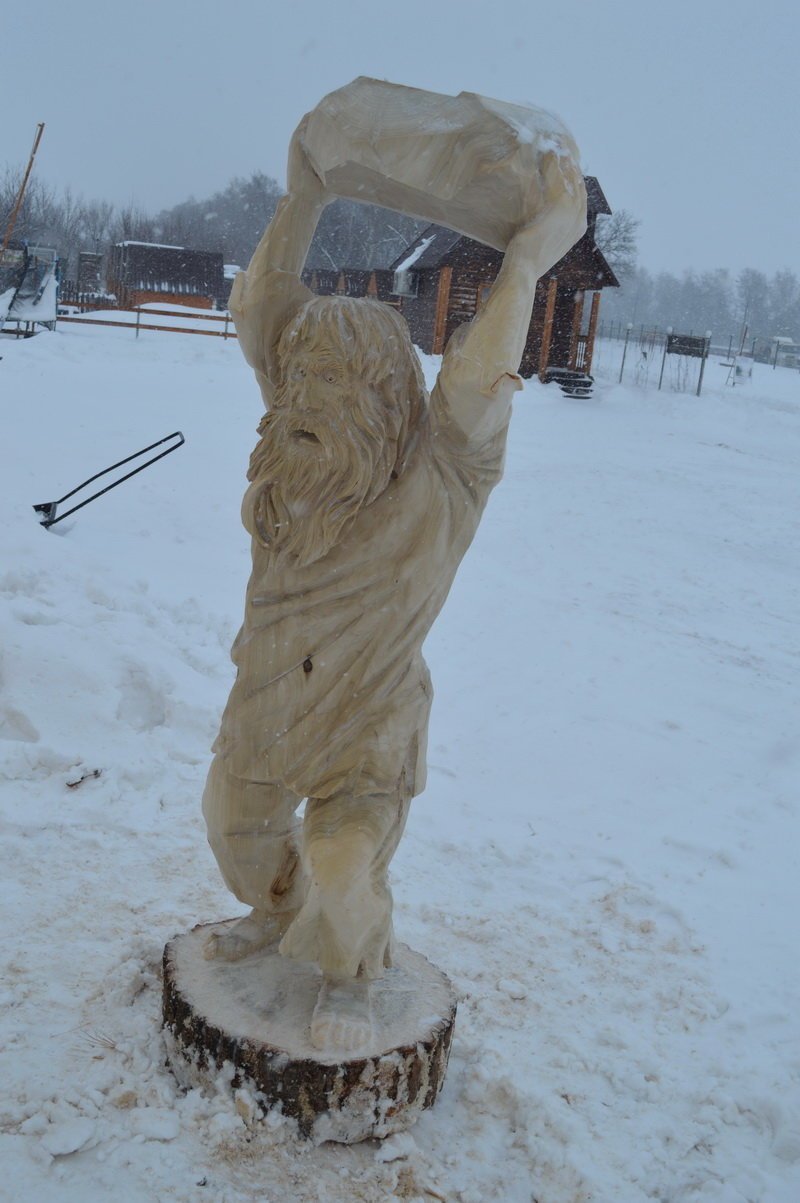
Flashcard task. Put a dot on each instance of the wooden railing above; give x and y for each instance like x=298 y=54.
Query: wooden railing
x=227 y=332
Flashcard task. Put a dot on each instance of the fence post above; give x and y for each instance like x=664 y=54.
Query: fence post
x=775 y=356
x=628 y=329
x=664 y=357
x=138 y=317
x=703 y=361
x=225 y=331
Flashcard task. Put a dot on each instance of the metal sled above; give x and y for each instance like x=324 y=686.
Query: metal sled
x=47 y=509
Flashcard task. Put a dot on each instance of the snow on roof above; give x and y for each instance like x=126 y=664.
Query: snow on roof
x=416 y=253
x=164 y=246
x=5 y=303
x=41 y=306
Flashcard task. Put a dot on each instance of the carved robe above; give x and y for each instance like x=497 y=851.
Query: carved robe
x=332 y=692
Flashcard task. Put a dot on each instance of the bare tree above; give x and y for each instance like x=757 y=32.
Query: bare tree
x=361 y=236
x=230 y=221
x=98 y=217
x=37 y=213
x=616 y=236
x=132 y=224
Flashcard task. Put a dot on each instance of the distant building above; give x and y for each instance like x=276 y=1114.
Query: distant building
x=141 y=273
x=229 y=273
x=89 y=266
x=442 y=279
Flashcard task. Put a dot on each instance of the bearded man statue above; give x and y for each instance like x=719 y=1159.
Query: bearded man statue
x=364 y=496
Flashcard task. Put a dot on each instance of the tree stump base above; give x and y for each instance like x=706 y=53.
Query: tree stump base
x=255 y=1014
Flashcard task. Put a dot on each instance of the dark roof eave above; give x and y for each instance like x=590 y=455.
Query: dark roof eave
x=444 y=239
x=595 y=197
x=605 y=270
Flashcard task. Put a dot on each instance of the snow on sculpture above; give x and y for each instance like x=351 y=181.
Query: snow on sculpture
x=364 y=495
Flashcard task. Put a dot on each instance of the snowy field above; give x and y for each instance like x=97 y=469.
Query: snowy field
x=605 y=860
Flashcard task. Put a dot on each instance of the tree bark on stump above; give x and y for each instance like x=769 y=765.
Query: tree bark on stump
x=254 y=1014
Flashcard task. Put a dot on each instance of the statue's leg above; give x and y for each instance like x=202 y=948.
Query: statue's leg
x=254 y=834
x=345 y=924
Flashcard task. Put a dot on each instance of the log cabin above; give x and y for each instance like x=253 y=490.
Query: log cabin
x=442 y=278
x=142 y=273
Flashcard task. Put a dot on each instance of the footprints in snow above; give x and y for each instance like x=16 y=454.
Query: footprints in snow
x=16 y=726
x=143 y=702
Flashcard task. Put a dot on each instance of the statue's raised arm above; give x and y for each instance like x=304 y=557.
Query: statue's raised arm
x=265 y=297
x=481 y=362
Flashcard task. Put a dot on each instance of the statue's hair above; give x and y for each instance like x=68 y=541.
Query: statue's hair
x=375 y=342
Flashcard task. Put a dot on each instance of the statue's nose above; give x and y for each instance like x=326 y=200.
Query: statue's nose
x=314 y=398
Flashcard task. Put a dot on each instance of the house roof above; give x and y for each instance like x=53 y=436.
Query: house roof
x=605 y=274
x=595 y=197
x=435 y=242
x=427 y=250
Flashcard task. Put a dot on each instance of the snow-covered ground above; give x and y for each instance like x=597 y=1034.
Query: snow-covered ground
x=605 y=860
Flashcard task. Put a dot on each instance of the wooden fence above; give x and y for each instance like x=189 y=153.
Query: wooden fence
x=227 y=332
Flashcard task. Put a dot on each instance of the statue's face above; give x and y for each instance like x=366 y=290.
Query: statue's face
x=325 y=452
x=322 y=402
x=330 y=442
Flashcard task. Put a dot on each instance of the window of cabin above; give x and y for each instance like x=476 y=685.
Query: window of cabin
x=483 y=294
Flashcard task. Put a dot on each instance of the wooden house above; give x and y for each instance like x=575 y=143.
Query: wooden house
x=443 y=278
x=353 y=282
x=141 y=273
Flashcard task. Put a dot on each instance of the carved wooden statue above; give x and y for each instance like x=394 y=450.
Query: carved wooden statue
x=364 y=495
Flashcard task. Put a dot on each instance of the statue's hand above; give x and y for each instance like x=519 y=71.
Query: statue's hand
x=302 y=179
x=561 y=221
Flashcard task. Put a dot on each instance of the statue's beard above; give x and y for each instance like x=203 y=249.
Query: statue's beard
x=311 y=475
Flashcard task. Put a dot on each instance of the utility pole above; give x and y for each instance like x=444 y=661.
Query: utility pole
x=12 y=221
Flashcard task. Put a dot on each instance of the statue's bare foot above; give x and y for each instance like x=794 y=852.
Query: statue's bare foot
x=342 y=1019
x=248 y=935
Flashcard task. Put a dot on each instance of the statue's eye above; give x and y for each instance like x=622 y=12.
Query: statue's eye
x=331 y=377
x=299 y=373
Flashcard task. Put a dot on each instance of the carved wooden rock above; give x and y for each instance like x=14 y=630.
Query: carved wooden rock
x=255 y=1015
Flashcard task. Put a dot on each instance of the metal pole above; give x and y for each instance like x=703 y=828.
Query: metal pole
x=775 y=356
x=625 y=350
x=12 y=221
x=664 y=357
x=744 y=336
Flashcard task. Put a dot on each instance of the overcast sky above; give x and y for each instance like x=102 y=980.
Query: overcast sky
x=689 y=113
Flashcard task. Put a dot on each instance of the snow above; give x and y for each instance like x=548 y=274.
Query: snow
x=416 y=254
x=30 y=309
x=5 y=303
x=605 y=859
x=162 y=246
